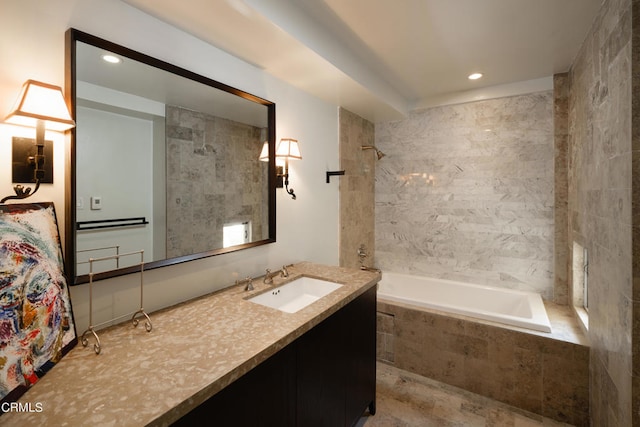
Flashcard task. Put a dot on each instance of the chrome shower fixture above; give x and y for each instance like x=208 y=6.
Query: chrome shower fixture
x=379 y=153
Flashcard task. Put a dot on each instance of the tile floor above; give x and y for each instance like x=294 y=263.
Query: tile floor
x=406 y=399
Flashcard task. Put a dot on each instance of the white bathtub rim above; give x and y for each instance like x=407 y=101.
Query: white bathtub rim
x=539 y=322
x=458 y=282
x=477 y=315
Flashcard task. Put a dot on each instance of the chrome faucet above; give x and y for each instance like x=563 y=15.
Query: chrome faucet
x=248 y=281
x=268 y=277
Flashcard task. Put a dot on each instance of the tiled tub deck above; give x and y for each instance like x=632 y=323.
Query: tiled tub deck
x=545 y=373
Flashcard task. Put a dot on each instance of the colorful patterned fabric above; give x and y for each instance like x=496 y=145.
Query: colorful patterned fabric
x=36 y=321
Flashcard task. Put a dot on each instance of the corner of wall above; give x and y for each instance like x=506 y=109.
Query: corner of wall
x=357 y=213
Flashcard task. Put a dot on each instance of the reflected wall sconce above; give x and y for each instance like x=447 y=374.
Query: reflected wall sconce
x=42 y=106
x=286 y=149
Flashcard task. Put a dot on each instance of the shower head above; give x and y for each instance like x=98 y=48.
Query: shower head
x=379 y=153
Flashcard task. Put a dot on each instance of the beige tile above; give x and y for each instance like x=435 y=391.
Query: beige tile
x=406 y=399
x=537 y=373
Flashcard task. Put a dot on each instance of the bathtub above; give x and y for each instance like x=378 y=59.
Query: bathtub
x=506 y=306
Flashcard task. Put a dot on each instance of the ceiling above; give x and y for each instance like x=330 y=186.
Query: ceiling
x=131 y=82
x=384 y=58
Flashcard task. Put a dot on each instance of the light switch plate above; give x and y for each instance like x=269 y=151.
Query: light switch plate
x=96 y=203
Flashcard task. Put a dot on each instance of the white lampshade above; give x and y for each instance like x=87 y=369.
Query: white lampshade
x=264 y=154
x=44 y=102
x=288 y=148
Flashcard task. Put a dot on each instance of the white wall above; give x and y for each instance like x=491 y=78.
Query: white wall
x=32 y=46
x=114 y=162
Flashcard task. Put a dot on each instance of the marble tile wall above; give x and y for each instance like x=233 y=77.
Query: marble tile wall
x=213 y=176
x=600 y=206
x=635 y=194
x=466 y=192
x=546 y=376
x=356 y=189
x=562 y=258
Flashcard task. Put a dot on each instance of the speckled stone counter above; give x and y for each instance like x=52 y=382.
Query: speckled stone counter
x=195 y=349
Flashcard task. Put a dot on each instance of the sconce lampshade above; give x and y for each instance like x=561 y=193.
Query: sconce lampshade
x=288 y=148
x=264 y=154
x=44 y=102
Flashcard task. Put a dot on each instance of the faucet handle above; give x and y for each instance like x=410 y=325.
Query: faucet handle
x=249 y=286
x=284 y=272
x=362 y=252
x=268 y=278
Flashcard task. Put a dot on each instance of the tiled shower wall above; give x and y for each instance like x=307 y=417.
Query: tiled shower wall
x=213 y=177
x=600 y=207
x=356 y=189
x=466 y=192
x=561 y=256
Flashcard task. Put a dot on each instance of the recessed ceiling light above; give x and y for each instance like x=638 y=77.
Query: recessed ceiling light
x=112 y=59
x=474 y=76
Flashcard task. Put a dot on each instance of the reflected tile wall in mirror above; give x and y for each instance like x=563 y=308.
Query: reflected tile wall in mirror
x=214 y=178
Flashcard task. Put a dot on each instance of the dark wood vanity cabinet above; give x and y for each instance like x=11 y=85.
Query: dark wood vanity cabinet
x=325 y=378
x=336 y=367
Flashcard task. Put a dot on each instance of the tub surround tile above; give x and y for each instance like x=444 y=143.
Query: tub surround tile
x=520 y=367
x=195 y=349
x=384 y=337
x=564 y=326
x=407 y=399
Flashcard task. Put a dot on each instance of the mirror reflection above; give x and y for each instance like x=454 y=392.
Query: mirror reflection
x=163 y=163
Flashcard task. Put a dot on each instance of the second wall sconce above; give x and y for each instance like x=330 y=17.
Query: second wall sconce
x=286 y=149
x=42 y=106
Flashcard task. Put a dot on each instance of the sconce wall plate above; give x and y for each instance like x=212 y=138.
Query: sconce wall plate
x=279 y=176
x=22 y=168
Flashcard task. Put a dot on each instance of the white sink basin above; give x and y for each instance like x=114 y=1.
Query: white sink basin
x=295 y=295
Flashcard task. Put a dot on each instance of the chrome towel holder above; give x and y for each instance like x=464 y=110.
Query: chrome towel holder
x=136 y=316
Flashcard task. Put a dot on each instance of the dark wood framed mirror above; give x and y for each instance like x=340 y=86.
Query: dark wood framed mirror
x=162 y=160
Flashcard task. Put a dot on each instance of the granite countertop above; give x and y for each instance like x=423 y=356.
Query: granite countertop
x=194 y=350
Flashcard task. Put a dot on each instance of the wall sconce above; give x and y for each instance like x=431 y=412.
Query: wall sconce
x=286 y=149
x=42 y=106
